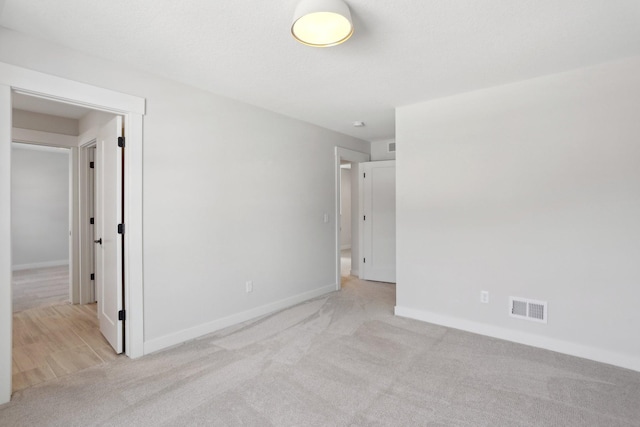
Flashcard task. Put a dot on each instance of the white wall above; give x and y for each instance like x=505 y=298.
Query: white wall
x=44 y=122
x=531 y=190
x=5 y=249
x=89 y=125
x=39 y=206
x=380 y=150
x=206 y=234
x=345 y=218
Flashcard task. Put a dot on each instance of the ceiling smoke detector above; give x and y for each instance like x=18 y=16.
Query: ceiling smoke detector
x=358 y=124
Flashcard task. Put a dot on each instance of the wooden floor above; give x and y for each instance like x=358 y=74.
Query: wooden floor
x=54 y=338
x=345 y=264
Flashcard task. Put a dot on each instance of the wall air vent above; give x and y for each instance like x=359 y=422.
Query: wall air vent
x=391 y=148
x=528 y=309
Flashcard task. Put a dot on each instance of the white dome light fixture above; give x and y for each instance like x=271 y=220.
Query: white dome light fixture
x=322 y=23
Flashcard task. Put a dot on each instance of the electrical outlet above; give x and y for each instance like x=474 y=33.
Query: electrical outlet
x=484 y=297
x=249 y=286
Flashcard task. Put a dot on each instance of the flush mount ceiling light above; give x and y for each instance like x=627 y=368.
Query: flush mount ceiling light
x=322 y=23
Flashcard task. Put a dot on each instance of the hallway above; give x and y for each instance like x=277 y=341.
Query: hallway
x=52 y=338
x=345 y=264
x=55 y=341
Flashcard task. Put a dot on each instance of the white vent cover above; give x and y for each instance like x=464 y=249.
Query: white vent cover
x=391 y=148
x=528 y=309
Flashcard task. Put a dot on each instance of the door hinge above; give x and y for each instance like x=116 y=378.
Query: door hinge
x=364 y=175
x=121 y=141
x=92 y=165
x=364 y=218
x=93 y=276
x=120 y=228
x=122 y=315
x=364 y=260
x=91 y=220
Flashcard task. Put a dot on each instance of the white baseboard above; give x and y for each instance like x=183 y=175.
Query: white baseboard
x=344 y=247
x=40 y=265
x=207 y=328
x=355 y=273
x=553 y=344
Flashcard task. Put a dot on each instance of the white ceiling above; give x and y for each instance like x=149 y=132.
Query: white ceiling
x=402 y=52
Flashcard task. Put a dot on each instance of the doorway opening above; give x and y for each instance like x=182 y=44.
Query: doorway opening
x=17 y=80
x=40 y=180
x=53 y=211
x=348 y=234
x=346 y=217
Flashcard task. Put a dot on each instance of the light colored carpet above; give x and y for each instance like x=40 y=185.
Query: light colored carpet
x=40 y=287
x=338 y=360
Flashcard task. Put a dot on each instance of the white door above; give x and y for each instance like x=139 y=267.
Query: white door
x=379 y=221
x=108 y=215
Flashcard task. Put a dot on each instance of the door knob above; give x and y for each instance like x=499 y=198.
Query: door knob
x=98 y=241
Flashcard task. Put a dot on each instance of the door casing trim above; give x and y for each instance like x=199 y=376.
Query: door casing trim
x=16 y=79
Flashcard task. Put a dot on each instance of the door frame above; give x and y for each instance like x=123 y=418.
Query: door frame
x=132 y=108
x=354 y=157
x=86 y=190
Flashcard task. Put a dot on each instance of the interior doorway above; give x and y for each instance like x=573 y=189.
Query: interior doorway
x=346 y=215
x=351 y=240
x=41 y=219
x=51 y=336
x=17 y=80
x=94 y=231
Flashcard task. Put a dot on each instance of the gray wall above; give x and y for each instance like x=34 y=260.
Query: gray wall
x=380 y=150
x=529 y=190
x=39 y=206
x=204 y=233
